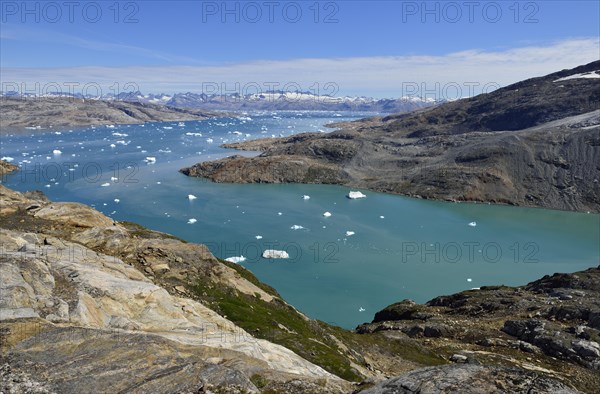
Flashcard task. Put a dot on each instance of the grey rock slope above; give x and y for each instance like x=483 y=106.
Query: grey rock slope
x=535 y=143
x=469 y=379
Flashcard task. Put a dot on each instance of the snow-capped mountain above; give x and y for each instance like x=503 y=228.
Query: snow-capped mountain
x=272 y=100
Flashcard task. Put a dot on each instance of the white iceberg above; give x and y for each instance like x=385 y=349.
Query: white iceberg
x=349 y=233
x=275 y=254
x=327 y=214
x=469 y=280
x=296 y=227
x=113 y=178
x=209 y=140
x=361 y=309
x=117 y=200
x=305 y=197
x=191 y=197
x=381 y=217
x=150 y=160
x=258 y=237
x=473 y=224
x=236 y=259
x=356 y=195
x=56 y=152
x=192 y=221
x=105 y=184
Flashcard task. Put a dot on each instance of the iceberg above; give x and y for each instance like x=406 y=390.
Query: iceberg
x=236 y=259
x=56 y=152
x=105 y=184
x=275 y=254
x=296 y=227
x=473 y=224
x=258 y=237
x=192 y=221
x=117 y=200
x=191 y=197
x=361 y=309
x=356 y=195
x=349 y=233
x=305 y=197
x=150 y=160
x=327 y=214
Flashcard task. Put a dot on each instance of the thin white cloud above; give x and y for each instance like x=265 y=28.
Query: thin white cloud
x=29 y=34
x=376 y=76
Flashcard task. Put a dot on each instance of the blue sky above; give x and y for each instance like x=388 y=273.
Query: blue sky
x=364 y=47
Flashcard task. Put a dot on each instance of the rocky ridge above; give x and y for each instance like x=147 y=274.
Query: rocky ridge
x=535 y=143
x=44 y=113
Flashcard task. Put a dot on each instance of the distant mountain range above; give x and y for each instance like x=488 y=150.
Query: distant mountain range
x=272 y=100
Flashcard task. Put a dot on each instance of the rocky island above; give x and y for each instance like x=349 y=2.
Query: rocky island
x=534 y=143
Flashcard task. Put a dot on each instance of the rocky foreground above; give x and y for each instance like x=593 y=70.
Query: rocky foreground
x=535 y=143
x=18 y=113
x=91 y=305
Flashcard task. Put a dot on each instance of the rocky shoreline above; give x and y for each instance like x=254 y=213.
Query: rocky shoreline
x=535 y=143
x=91 y=304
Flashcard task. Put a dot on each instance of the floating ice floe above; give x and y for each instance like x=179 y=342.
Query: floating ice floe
x=8 y=159
x=296 y=227
x=349 y=233
x=279 y=213
x=112 y=178
x=150 y=160
x=117 y=200
x=56 y=152
x=258 y=237
x=192 y=221
x=473 y=224
x=381 y=217
x=356 y=195
x=327 y=214
x=113 y=146
x=469 y=280
x=105 y=184
x=191 y=197
x=236 y=260
x=275 y=254
x=305 y=197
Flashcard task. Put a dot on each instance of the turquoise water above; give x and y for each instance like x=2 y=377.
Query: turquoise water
x=419 y=249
